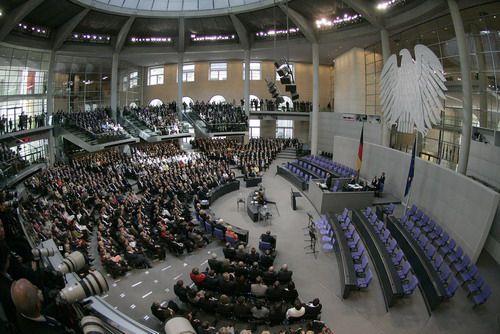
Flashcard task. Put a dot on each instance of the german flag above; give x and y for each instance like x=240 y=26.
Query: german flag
x=359 y=159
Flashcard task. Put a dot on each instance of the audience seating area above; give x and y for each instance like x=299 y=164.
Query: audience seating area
x=161 y=119
x=322 y=165
x=448 y=258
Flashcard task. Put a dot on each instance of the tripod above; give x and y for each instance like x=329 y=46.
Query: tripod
x=312 y=241
x=309 y=223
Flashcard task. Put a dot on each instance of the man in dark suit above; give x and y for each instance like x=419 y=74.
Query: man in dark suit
x=313 y=309
x=267 y=237
x=329 y=181
x=284 y=275
x=215 y=265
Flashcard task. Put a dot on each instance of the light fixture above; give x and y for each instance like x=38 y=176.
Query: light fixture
x=211 y=38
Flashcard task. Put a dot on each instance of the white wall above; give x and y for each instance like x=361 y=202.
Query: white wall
x=465 y=208
x=484 y=162
x=332 y=124
x=350 y=82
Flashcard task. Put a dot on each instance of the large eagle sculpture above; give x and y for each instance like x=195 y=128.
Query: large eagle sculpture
x=412 y=95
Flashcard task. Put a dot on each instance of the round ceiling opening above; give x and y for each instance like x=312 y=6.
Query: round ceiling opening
x=175 y=8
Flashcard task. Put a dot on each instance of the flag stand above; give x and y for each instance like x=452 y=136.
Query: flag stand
x=408 y=183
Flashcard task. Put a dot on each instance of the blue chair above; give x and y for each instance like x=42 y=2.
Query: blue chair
x=452 y=287
x=385 y=235
x=448 y=247
x=354 y=242
x=422 y=222
x=410 y=286
x=209 y=228
x=368 y=211
x=475 y=285
x=329 y=245
x=438 y=242
x=349 y=232
x=325 y=230
x=346 y=223
x=468 y=275
x=360 y=267
x=231 y=240
x=444 y=272
x=430 y=250
x=483 y=296
x=391 y=246
x=405 y=269
x=364 y=282
x=455 y=256
x=437 y=262
x=390 y=209
x=398 y=257
x=263 y=246
x=429 y=227
x=460 y=266
x=415 y=232
x=379 y=227
x=423 y=241
x=436 y=233
x=358 y=253
x=219 y=234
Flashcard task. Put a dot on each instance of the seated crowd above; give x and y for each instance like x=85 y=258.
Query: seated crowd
x=254 y=156
x=97 y=123
x=162 y=119
x=10 y=161
x=243 y=292
x=220 y=116
x=94 y=192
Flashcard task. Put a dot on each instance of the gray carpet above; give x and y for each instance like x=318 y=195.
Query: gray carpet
x=315 y=276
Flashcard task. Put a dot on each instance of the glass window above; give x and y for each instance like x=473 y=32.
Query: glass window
x=286 y=105
x=218 y=71
x=188 y=101
x=255 y=71
x=156 y=103
x=217 y=99
x=284 y=129
x=254 y=127
x=125 y=83
x=188 y=73
x=133 y=82
x=292 y=68
x=156 y=76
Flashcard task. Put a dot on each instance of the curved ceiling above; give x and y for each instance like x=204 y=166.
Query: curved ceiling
x=176 y=8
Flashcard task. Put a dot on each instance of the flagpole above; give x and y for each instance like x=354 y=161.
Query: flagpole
x=409 y=191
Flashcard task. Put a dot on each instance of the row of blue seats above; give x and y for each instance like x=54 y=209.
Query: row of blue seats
x=322 y=173
x=409 y=280
x=299 y=172
x=446 y=256
x=331 y=166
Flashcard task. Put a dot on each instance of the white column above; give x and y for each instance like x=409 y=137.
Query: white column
x=114 y=84
x=463 y=53
x=50 y=107
x=315 y=101
x=386 y=53
x=247 y=82
x=179 y=83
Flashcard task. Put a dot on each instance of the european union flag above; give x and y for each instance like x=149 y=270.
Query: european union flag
x=411 y=172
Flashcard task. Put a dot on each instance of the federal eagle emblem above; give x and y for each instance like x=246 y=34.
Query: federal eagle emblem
x=412 y=94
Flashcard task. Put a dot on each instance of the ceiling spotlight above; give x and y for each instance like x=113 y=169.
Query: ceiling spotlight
x=1 y=13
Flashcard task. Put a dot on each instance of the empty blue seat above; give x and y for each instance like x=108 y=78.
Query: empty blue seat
x=263 y=246
x=452 y=287
x=429 y=227
x=364 y=281
x=423 y=221
x=209 y=228
x=354 y=242
x=423 y=241
x=436 y=233
x=385 y=235
x=438 y=242
x=405 y=269
x=430 y=250
x=415 y=232
x=468 y=275
x=444 y=272
x=455 y=256
x=483 y=295
x=460 y=266
x=379 y=227
x=437 y=262
x=448 y=247
x=360 y=267
x=349 y=232
x=398 y=257
x=358 y=253
x=389 y=209
x=409 y=225
x=410 y=285
x=475 y=285
x=368 y=211
x=329 y=244
x=219 y=234
x=391 y=246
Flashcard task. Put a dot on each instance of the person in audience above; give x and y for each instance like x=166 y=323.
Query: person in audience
x=268 y=237
x=211 y=282
x=225 y=307
x=296 y=312
x=329 y=181
x=229 y=252
x=231 y=234
x=313 y=309
x=227 y=284
x=260 y=311
x=160 y=312
x=215 y=264
x=258 y=289
x=181 y=291
x=290 y=294
x=28 y=304
x=284 y=275
x=273 y=292
x=269 y=276
x=197 y=277
x=266 y=259
x=242 y=309
x=277 y=313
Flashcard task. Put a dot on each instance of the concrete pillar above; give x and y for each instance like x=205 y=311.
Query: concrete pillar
x=180 y=65
x=315 y=102
x=247 y=82
x=463 y=52
x=51 y=150
x=483 y=80
x=114 y=84
x=386 y=53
